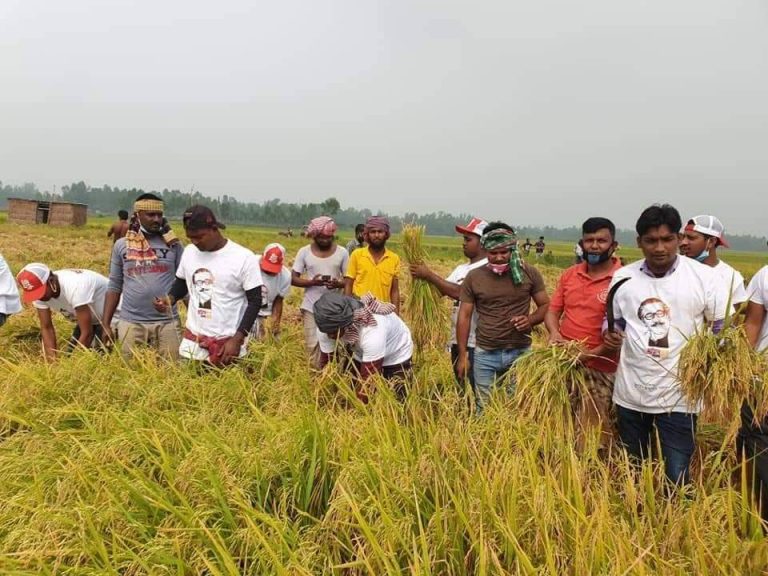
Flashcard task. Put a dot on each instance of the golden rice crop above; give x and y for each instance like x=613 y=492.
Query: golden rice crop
x=719 y=370
x=424 y=306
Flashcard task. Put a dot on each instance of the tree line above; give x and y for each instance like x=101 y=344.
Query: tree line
x=107 y=200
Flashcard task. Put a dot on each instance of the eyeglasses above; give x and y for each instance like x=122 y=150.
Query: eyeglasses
x=659 y=314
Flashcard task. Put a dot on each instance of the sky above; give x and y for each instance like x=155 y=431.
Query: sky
x=537 y=112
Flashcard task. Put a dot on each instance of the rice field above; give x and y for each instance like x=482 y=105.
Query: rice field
x=147 y=468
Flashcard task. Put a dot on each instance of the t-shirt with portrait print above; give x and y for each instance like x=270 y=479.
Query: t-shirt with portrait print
x=660 y=315
x=217 y=282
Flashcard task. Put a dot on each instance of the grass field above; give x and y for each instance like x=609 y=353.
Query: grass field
x=148 y=468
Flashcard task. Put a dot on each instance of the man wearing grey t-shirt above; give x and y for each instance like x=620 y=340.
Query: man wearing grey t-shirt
x=142 y=268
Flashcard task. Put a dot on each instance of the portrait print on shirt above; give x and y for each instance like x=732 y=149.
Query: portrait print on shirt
x=654 y=314
x=202 y=285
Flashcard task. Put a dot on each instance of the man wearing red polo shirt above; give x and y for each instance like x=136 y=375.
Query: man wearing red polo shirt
x=576 y=313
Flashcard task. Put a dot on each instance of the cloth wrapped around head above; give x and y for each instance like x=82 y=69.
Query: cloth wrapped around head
x=501 y=238
x=334 y=311
x=322 y=225
x=137 y=246
x=381 y=222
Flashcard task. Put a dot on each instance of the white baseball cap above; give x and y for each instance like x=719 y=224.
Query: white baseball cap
x=710 y=226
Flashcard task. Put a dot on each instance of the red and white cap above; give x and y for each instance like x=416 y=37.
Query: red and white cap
x=475 y=226
x=32 y=279
x=710 y=226
x=273 y=258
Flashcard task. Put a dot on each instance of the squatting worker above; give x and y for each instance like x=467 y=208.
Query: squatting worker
x=77 y=294
x=375 y=268
x=381 y=342
x=667 y=299
x=318 y=268
x=9 y=294
x=224 y=283
x=576 y=313
x=451 y=287
x=702 y=236
x=277 y=285
x=501 y=292
x=143 y=267
x=752 y=441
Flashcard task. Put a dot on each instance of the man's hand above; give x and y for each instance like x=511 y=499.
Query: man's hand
x=613 y=340
x=521 y=323
x=334 y=284
x=317 y=280
x=462 y=363
x=419 y=271
x=162 y=305
x=556 y=338
x=231 y=350
x=108 y=335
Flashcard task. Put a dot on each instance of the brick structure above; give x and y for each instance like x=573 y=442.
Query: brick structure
x=41 y=212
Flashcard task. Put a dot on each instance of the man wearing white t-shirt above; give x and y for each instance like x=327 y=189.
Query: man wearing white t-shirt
x=451 y=287
x=224 y=284
x=77 y=294
x=381 y=342
x=277 y=285
x=666 y=299
x=752 y=441
x=702 y=236
x=9 y=294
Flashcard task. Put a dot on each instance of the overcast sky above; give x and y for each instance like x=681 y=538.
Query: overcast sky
x=537 y=111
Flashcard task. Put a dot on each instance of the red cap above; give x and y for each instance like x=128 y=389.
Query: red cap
x=475 y=226
x=273 y=258
x=32 y=279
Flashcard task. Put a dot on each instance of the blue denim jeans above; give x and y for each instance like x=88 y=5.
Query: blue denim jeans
x=491 y=366
x=676 y=437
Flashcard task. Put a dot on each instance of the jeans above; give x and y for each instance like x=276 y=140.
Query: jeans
x=676 y=435
x=491 y=366
x=470 y=367
x=752 y=447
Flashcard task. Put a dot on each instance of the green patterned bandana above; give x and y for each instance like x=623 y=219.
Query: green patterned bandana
x=504 y=238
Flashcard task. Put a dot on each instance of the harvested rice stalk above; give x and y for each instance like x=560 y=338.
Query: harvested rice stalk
x=424 y=309
x=548 y=379
x=720 y=370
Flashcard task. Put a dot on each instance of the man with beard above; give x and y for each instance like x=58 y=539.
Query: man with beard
x=375 y=269
x=451 y=288
x=501 y=292
x=143 y=267
x=576 y=314
x=666 y=300
x=319 y=267
x=701 y=238
x=224 y=285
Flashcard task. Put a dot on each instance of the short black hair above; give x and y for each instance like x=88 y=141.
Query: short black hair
x=359 y=228
x=498 y=226
x=541 y=237
x=122 y=214
x=149 y=196
x=592 y=225
x=659 y=215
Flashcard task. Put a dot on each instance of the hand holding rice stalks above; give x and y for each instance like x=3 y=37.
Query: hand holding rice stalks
x=424 y=309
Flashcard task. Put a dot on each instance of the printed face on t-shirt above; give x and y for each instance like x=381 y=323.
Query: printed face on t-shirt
x=655 y=317
x=202 y=282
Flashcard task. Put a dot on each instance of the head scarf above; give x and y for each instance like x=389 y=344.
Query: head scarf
x=505 y=238
x=381 y=222
x=137 y=246
x=322 y=225
x=334 y=311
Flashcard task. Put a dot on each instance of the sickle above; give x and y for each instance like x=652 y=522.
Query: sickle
x=609 y=304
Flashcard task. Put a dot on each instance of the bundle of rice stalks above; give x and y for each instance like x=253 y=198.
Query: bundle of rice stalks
x=721 y=371
x=548 y=380
x=424 y=308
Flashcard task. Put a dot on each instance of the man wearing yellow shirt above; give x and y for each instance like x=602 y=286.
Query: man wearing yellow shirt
x=374 y=268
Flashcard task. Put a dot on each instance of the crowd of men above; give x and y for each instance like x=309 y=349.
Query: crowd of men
x=631 y=321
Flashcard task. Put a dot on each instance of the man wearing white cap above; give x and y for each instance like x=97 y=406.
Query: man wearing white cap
x=277 y=285
x=77 y=294
x=701 y=237
x=451 y=287
x=9 y=294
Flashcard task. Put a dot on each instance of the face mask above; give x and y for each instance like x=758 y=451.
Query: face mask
x=598 y=258
x=499 y=269
x=703 y=256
